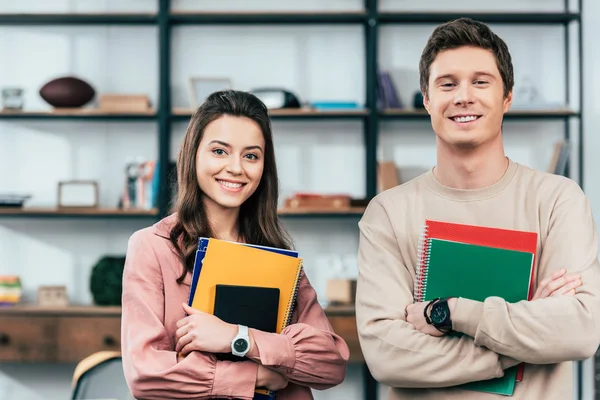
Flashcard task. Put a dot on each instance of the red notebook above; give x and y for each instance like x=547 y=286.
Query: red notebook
x=484 y=236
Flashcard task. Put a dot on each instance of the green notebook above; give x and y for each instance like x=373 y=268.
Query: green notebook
x=453 y=269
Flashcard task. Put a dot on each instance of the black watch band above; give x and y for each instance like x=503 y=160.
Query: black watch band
x=438 y=314
x=426 y=310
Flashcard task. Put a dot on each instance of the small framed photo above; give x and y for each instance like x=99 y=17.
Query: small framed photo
x=199 y=88
x=78 y=194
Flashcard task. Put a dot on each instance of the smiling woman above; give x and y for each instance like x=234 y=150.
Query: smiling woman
x=227 y=176
x=228 y=189
x=230 y=163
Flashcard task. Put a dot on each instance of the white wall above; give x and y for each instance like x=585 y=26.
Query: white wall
x=320 y=62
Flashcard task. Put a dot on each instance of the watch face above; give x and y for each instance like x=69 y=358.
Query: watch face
x=240 y=345
x=439 y=314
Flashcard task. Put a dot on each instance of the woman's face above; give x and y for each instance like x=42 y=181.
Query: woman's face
x=230 y=161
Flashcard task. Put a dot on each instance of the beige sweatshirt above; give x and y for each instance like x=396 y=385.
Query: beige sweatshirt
x=547 y=334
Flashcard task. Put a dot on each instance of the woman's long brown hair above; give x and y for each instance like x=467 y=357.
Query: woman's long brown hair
x=258 y=220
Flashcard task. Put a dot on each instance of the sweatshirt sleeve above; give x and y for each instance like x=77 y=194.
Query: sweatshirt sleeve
x=396 y=353
x=553 y=329
x=307 y=352
x=151 y=366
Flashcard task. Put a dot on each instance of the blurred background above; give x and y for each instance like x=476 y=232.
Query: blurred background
x=96 y=97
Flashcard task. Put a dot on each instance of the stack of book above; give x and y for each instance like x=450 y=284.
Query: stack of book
x=245 y=284
x=477 y=262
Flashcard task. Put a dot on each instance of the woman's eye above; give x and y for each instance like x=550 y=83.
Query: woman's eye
x=219 y=152
x=252 y=156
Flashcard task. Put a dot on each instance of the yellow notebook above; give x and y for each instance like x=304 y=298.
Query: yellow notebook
x=232 y=263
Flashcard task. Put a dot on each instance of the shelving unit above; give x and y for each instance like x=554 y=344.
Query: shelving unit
x=510 y=115
x=76 y=213
x=153 y=214
x=86 y=114
x=79 y=19
x=370 y=19
x=291 y=113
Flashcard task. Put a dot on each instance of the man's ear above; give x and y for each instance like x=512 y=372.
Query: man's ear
x=426 y=102
x=508 y=101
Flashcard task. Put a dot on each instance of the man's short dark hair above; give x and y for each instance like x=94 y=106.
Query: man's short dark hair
x=466 y=32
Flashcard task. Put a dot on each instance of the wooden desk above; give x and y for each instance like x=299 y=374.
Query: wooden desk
x=30 y=334
x=343 y=322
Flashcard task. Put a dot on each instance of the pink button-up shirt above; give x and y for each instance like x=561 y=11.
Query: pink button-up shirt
x=308 y=353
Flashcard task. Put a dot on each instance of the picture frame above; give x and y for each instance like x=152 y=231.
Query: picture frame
x=199 y=88
x=78 y=194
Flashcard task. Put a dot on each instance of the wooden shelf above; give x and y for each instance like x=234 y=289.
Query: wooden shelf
x=84 y=113
x=33 y=309
x=281 y=17
x=102 y=311
x=78 y=19
x=128 y=214
x=511 y=114
x=340 y=310
x=267 y=17
x=68 y=334
x=321 y=212
x=291 y=113
x=487 y=17
x=76 y=213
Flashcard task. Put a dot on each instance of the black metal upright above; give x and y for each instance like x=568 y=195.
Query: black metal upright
x=371 y=124
x=164 y=105
x=581 y=176
x=580 y=54
x=371 y=134
x=567 y=60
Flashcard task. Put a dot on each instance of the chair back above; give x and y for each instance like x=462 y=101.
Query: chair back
x=100 y=376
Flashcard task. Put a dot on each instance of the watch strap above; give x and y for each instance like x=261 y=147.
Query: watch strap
x=447 y=326
x=242 y=331
x=242 y=334
x=426 y=311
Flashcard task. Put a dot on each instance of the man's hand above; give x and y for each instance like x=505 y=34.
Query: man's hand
x=415 y=316
x=558 y=284
x=269 y=379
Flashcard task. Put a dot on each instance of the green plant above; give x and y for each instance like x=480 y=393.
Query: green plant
x=106 y=282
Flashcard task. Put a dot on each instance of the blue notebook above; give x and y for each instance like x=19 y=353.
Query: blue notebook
x=200 y=253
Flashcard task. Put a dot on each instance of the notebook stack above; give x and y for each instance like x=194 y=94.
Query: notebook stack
x=476 y=262
x=245 y=284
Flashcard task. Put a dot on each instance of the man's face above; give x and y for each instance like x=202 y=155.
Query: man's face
x=466 y=97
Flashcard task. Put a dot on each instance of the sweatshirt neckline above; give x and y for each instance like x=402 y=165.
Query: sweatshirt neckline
x=473 y=194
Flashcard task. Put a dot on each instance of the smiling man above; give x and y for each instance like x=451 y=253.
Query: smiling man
x=467 y=81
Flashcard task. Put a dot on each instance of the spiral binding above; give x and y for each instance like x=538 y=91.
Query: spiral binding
x=290 y=306
x=421 y=273
x=289 y=310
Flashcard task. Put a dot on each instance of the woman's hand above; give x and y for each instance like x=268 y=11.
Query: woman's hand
x=558 y=284
x=267 y=378
x=203 y=332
